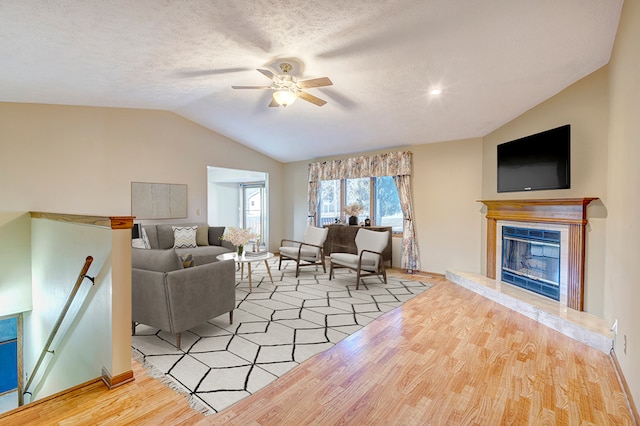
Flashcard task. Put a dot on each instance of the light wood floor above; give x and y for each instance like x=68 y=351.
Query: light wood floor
x=446 y=357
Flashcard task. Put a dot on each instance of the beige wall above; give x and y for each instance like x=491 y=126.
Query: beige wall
x=622 y=282
x=446 y=185
x=120 y=312
x=585 y=106
x=296 y=182
x=15 y=262
x=82 y=160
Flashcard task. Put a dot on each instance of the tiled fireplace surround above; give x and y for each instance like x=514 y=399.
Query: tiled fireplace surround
x=569 y=215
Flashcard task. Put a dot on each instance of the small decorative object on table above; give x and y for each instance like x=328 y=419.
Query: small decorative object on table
x=239 y=237
x=253 y=254
x=258 y=249
x=353 y=210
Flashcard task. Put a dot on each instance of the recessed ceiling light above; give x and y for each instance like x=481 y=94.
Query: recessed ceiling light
x=435 y=92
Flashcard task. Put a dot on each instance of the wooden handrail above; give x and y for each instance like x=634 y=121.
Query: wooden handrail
x=54 y=331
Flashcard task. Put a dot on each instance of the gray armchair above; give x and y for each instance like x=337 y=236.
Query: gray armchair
x=369 y=260
x=173 y=299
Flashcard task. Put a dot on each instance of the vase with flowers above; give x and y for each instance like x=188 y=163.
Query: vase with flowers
x=353 y=210
x=239 y=237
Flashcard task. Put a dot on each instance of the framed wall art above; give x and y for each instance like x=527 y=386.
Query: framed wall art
x=158 y=200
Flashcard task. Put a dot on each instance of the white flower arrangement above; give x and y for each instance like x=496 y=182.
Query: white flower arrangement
x=238 y=236
x=353 y=209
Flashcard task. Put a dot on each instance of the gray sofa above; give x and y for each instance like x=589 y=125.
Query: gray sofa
x=207 y=237
x=174 y=299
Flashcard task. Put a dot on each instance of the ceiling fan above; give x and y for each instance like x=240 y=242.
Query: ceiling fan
x=287 y=88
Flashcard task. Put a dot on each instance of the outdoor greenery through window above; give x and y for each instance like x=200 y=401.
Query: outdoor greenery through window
x=359 y=191
x=378 y=196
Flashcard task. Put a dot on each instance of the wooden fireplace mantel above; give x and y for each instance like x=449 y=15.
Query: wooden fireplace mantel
x=563 y=211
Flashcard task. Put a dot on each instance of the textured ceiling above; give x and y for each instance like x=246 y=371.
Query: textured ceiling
x=494 y=59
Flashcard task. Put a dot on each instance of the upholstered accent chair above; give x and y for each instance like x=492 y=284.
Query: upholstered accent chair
x=167 y=296
x=308 y=252
x=368 y=261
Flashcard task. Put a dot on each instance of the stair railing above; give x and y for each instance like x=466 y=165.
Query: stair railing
x=56 y=327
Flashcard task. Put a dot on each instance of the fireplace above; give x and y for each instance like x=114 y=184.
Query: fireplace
x=531 y=260
x=528 y=263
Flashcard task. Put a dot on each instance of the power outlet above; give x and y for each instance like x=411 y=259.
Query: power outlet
x=614 y=327
x=624 y=348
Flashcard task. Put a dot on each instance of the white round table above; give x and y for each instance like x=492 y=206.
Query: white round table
x=241 y=260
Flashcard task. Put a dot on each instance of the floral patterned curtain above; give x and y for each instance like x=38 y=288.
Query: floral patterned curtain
x=314 y=188
x=410 y=255
x=396 y=164
x=388 y=164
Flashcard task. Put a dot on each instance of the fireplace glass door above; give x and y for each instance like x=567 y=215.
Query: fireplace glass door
x=531 y=260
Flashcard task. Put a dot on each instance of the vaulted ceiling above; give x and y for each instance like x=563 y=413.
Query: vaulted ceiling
x=493 y=60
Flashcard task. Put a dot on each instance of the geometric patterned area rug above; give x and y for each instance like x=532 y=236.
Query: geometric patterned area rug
x=275 y=328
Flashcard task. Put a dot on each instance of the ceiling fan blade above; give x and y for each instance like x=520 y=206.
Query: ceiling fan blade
x=273 y=103
x=267 y=73
x=315 y=82
x=310 y=98
x=251 y=87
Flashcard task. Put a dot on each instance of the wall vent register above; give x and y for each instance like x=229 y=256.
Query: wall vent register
x=531 y=260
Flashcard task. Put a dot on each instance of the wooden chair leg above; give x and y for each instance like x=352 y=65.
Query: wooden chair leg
x=280 y=263
x=133 y=328
x=324 y=268
x=230 y=317
x=357 y=278
x=330 y=270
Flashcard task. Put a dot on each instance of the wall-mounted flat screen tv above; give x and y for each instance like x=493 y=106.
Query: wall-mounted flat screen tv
x=536 y=162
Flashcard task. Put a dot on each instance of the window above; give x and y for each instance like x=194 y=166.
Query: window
x=387 y=204
x=359 y=191
x=253 y=213
x=9 y=366
x=378 y=195
x=329 y=202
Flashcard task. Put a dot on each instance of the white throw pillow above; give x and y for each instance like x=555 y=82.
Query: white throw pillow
x=145 y=239
x=184 y=236
x=138 y=243
x=142 y=242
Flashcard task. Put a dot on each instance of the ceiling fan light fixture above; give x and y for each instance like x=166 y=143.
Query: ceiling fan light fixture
x=284 y=97
x=287 y=88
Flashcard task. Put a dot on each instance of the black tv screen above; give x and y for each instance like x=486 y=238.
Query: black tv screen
x=536 y=162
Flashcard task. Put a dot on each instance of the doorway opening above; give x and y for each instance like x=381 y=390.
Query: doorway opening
x=253 y=215
x=238 y=198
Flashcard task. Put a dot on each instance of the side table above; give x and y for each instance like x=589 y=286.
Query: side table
x=241 y=260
